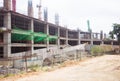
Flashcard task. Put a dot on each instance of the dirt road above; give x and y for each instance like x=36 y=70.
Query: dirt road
x=104 y=68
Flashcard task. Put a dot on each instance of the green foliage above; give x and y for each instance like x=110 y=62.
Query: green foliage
x=46 y=68
x=96 y=50
x=34 y=68
x=1 y=76
x=101 y=49
x=9 y=75
x=115 y=31
x=112 y=34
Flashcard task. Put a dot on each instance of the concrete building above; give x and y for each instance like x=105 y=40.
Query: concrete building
x=20 y=33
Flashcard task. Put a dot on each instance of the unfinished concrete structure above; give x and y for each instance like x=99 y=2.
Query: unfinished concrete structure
x=20 y=33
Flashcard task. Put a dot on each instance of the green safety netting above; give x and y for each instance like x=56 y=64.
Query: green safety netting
x=39 y=39
x=23 y=35
x=19 y=37
x=52 y=38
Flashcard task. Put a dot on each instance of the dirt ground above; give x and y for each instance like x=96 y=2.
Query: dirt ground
x=103 y=68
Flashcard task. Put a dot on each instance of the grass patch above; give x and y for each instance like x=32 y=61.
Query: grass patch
x=1 y=76
x=34 y=68
x=9 y=75
x=101 y=49
x=97 y=51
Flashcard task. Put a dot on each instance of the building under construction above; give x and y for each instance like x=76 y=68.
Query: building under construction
x=20 y=33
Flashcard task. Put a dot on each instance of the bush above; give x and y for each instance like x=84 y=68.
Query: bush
x=46 y=68
x=100 y=49
x=97 y=50
x=34 y=68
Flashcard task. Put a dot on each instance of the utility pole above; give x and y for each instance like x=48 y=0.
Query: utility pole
x=39 y=10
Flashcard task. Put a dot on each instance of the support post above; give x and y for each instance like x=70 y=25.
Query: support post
x=31 y=27
x=91 y=38
x=96 y=35
x=7 y=35
x=112 y=43
x=58 y=40
x=32 y=41
x=47 y=32
x=66 y=36
x=76 y=55
x=30 y=8
x=101 y=37
x=79 y=41
x=7 y=4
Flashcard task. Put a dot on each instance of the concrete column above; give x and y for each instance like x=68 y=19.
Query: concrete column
x=101 y=37
x=79 y=42
x=30 y=9
x=104 y=35
x=66 y=36
x=111 y=42
x=92 y=35
x=7 y=35
x=96 y=35
x=91 y=38
x=102 y=42
x=58 y=40
x=47 y=32
x=32 y=41
x=7 y=4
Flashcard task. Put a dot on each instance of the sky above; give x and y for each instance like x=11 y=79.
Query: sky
x=75 y=13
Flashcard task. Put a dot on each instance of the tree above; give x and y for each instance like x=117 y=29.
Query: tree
x=111 y=35
x=116 y=31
